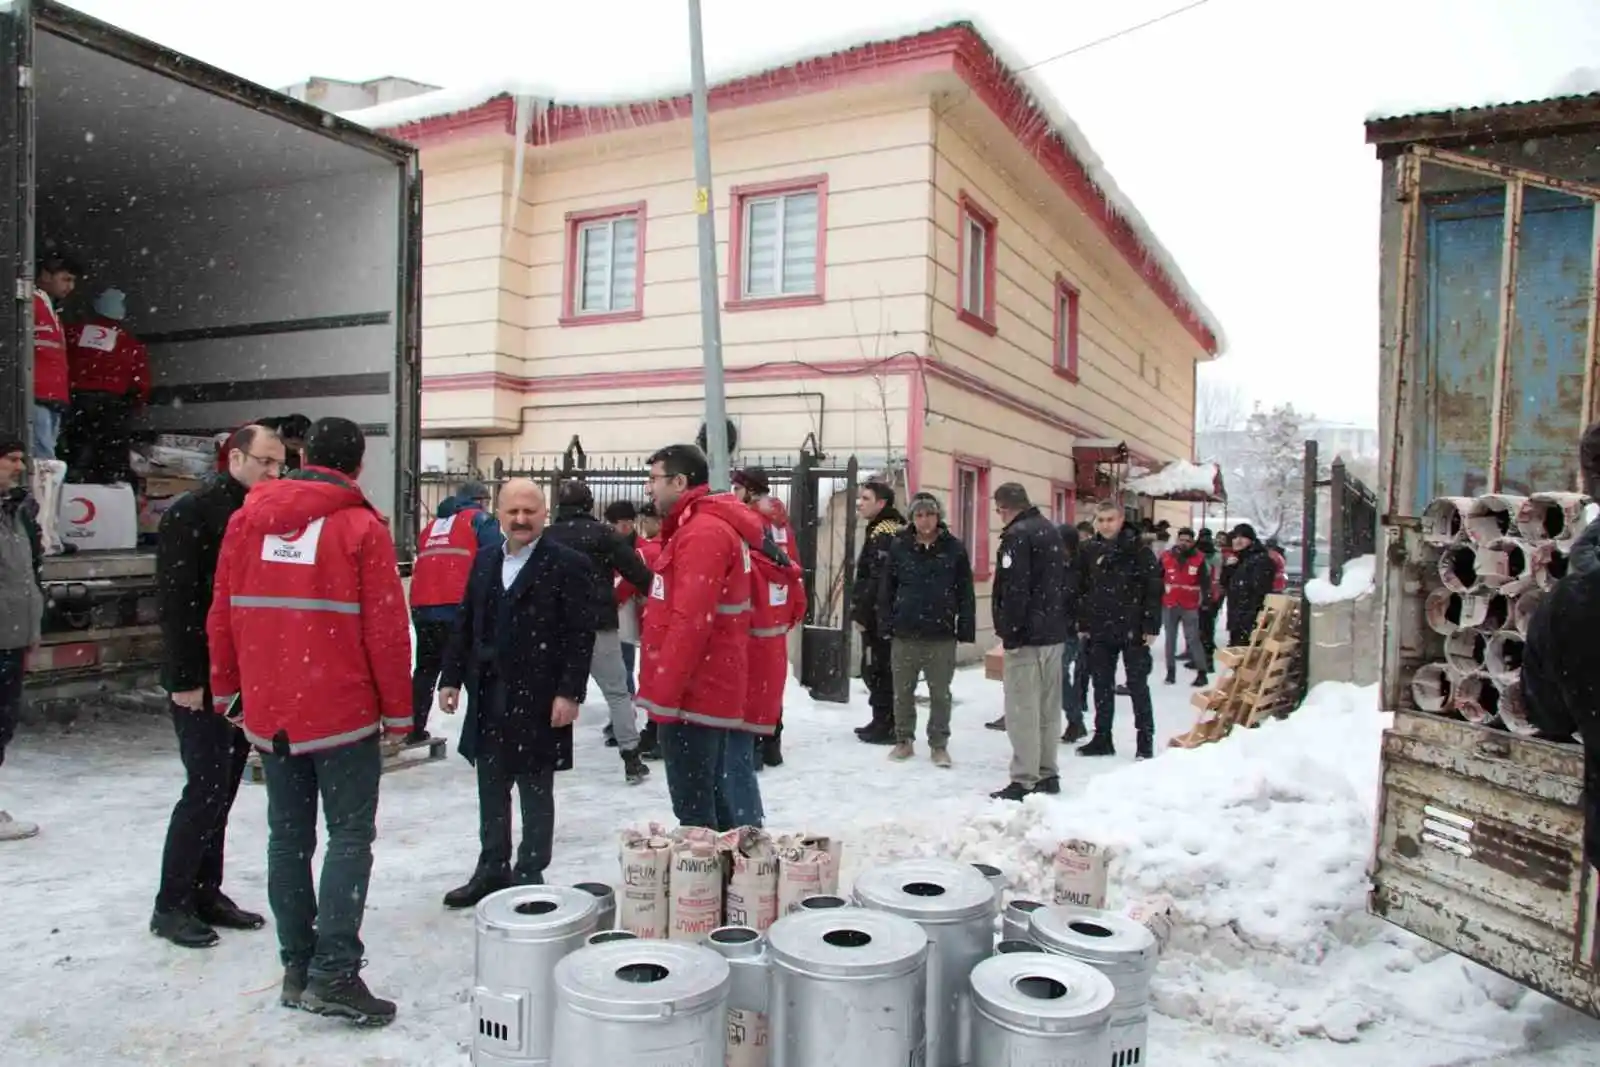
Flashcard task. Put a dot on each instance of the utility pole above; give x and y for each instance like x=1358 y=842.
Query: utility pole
x=710 y=317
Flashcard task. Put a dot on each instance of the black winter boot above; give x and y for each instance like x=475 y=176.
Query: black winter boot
x=1146 y=749
x=1049 y=786
x=633 y=769
x=182 y=929
x=1074 y=733
x=347 y=997
x=477 y=887
x=1200 y=680
x=1100 y=745
x=220 y=911
x=649 y=743
x=294 y=985
x=1172 y=678
x=996 y=724
x=771 y=752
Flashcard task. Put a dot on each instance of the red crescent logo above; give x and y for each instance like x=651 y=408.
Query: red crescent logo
x=88 y=511
x=290 y=538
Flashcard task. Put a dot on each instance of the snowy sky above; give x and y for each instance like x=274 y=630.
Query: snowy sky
x=1236 y=127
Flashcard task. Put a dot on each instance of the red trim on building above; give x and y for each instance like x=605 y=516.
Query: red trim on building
x=1064 y=342
x=740 y=195
x=972 y=211
x=958 y=49
x=982 y=565
x=570 y=283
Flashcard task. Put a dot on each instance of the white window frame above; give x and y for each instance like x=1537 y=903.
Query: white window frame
x=581 y=268
x=747 y=205
x=974 y=297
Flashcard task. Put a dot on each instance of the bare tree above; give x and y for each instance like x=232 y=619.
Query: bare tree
x=1266 y=477
x=1219 y=406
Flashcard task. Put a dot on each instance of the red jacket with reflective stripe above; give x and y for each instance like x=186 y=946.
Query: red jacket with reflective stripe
x=445 y=551
x=1280 y=579
x=50 y=377
x=103 y=357
x=308 y=618
x=695 y=633
x=1185 y=579
x=777 y=605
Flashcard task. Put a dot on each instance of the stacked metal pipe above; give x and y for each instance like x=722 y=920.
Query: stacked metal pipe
x=1497 y=555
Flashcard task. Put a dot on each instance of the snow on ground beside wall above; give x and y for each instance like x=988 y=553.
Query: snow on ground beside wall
x=1179 y=476
x=1261 y=839
x=592 y=79
x=1358 y=579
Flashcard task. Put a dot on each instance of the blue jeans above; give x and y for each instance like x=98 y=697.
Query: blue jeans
x=46 y=431
x=1073 y=670
x=711 y=775
x=320 y=927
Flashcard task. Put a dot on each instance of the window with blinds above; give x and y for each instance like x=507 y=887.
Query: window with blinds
x=780 y=245
x=608 y=265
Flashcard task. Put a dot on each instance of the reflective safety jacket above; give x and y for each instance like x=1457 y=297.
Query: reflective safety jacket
x=308 y=622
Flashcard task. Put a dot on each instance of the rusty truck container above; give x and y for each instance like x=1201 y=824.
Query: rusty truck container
x=1490 y=246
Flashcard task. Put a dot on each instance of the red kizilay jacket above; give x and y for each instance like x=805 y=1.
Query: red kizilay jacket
x=1186 y=579
x=777 y=605
x=103 y=357
x=694 y=636
x=50 y=376
x=308 y=618
x=1280 y=577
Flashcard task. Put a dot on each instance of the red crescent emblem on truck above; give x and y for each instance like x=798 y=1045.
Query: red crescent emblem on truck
x=88 y=511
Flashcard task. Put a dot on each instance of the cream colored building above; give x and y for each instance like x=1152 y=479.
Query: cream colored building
x=919 y=268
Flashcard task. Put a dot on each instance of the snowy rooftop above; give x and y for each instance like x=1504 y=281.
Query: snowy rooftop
x=599 y=85
x=1584 y=81
x=1178 y=478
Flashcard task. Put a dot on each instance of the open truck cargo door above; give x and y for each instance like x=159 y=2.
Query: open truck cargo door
x=1490 y=280
x=16 y=218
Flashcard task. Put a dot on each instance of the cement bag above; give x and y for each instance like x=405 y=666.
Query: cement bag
x=807 y=867
x=1080 y=868
x=694 y=885
x=752 y=895
x=747 y=1039
x=642 y=904
x=46 y=480
x=1154 y=914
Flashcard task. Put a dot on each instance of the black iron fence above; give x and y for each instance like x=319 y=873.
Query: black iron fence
x=1351 y=510
x=820 y=499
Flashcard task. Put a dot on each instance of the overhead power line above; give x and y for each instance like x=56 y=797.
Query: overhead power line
x=1114 y=36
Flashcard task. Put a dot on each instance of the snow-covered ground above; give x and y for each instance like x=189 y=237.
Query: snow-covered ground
x=1261 y=840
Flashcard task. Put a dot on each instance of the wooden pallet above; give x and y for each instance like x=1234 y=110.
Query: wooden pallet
x=436 y=749
x=1259 y=677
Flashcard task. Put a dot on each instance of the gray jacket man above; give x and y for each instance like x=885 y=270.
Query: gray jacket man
x=21 y=601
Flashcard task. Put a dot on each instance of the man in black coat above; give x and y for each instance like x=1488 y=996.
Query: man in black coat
x=190 y=903
x=610 y=554
x=1249 y=578
x=926 y=607
x=1026 y=599
x=875 y=506
x=1119 y=614
x=522 y=648
x=1560 y=672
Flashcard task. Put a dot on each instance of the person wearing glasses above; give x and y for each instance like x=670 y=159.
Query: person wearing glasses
x=190 y=903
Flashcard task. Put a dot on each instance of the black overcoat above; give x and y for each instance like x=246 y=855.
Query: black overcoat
x=514 y=651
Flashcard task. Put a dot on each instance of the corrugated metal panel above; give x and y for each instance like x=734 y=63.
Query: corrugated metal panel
x=1462 y=277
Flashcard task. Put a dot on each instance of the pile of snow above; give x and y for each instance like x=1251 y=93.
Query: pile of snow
x=1262 y=841
x=602 y=84
x=1179 y=476
x=1360 y=575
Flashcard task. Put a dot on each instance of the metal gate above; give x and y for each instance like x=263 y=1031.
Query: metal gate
x=820 y=498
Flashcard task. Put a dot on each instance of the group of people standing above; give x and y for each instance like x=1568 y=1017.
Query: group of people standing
x=1068 y=603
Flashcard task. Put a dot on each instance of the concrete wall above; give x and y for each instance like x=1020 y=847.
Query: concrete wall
x=1345 y=641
